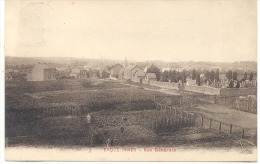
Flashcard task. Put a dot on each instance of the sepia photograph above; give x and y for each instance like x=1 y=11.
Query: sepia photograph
x=130 y=80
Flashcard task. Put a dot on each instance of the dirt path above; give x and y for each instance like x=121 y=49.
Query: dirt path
x=162 y=90
x=227 y=115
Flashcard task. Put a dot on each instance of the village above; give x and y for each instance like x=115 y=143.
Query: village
x=127 y=103
x=141 y=72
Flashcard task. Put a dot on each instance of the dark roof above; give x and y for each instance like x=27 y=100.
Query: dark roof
x=142 y=66
x=116 y=65
x=140 y=74
x=130 y=67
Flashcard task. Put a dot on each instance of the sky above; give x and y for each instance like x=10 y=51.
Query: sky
x=177 y=30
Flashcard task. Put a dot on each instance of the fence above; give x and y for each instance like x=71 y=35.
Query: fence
x=189 y=88
x=167 y=85
x=202 y=89
x=64 y=111
x=205 y=122
x=170 y=119
x=168 y=100
x=226 y=128
x=246 y=105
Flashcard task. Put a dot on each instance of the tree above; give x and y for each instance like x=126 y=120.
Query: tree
x=178 y=77
x=170 y=76
x=165 y=76
x=207 y=74
x=161 y=76
x=212 y=75
x=251 y=76
x=229 y=75
x=238 y=85
x=234 y=75
x=98 y=73
x=217 y=75
x=184 y=76
x=198 y=79
x=154 y=69
x=104 y=74
x=193 y=74
x=245 y=76
x=231 y=83
x=173 y=78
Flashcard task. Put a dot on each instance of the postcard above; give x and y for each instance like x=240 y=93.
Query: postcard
x=130 y=80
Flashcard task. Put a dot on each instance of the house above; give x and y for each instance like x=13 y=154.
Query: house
x=143 y=65
x=169 y=67
x=115 y=70
x=138 y=76
x=42 y=72
x=130 y=70
x=150 y=77
x=126 y=73
x=79 y=72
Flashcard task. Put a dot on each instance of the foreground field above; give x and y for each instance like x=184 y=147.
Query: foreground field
x=111 y=106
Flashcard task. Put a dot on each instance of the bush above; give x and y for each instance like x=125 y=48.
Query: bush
x=86 y=83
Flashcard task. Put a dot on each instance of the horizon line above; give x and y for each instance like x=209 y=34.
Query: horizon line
x=133 y=60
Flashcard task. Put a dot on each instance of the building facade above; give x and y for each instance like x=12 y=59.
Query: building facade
x=42 y=72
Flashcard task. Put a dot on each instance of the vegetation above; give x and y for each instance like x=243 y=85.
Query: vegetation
x=154 y=69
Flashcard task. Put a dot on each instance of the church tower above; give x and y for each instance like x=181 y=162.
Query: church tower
x=126 y=64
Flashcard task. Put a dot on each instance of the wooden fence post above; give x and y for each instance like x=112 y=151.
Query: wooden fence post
x=230 y=131
x=201 y=121
x=150 y=121
x=210 y=122
x=220 y=126
x=243 y=133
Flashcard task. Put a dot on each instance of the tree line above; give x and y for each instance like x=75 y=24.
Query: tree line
x=19 y=67
x=232 y=75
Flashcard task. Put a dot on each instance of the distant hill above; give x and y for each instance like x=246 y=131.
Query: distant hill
x=242 y=65
x=10 y=60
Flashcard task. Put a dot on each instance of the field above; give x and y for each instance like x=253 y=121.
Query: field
x=55 y=114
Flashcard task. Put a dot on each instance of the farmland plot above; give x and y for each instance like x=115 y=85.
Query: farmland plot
x=59 y=117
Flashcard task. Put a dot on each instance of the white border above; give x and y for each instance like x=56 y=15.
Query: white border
x=2 y=97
